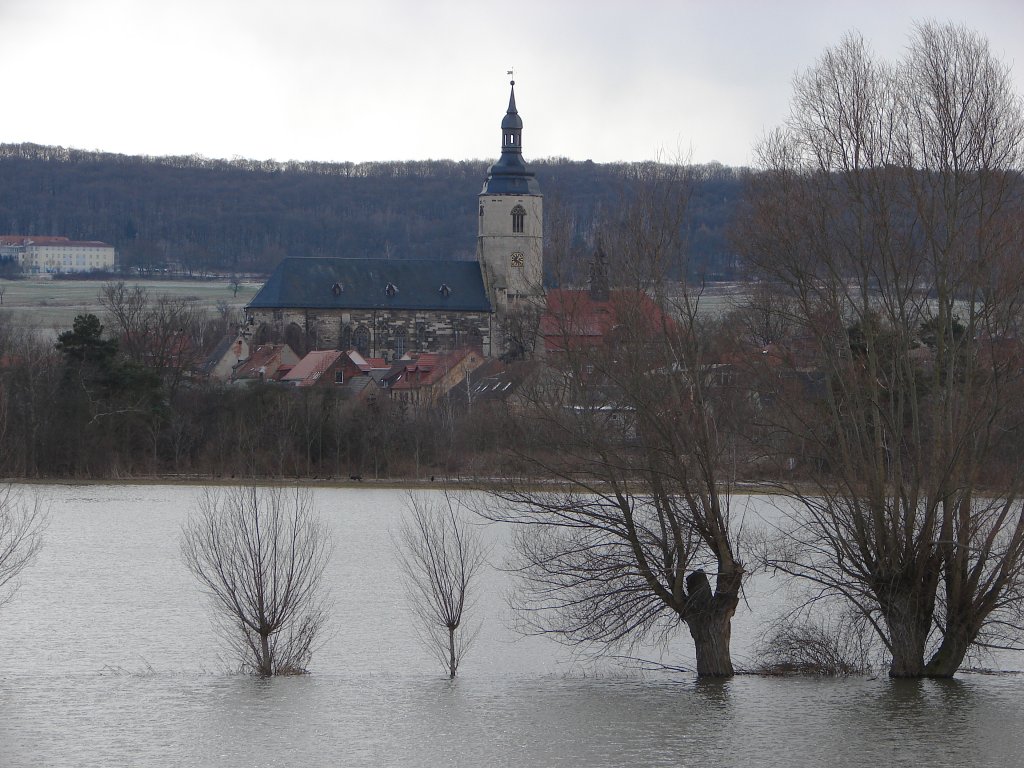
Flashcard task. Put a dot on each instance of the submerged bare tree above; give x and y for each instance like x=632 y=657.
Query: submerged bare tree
x=260 y=554
x=635 y=421
x=21 y=537
x=889 y=213
x=440 y=556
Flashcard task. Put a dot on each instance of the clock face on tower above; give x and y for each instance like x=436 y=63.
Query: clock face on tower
x=517 y=259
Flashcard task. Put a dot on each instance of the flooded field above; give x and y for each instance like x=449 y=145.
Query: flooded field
x=109 y=659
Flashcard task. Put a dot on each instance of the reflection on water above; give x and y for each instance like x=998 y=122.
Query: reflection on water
x=109 y=660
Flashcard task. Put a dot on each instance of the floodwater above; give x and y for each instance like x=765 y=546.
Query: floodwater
x=107 y=658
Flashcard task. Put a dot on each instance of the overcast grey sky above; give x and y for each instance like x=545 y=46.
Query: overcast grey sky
x=404 y=79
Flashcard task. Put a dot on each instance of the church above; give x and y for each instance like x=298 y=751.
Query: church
x=385 y=308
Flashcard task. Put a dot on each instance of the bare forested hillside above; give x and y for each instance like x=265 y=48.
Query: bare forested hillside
x=199 y=215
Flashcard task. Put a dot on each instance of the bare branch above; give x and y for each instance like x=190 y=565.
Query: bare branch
x=22 y=524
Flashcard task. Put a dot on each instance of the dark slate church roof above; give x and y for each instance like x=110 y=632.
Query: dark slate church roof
x=390 y=284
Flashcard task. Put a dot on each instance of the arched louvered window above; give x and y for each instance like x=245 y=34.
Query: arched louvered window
x=518 y=218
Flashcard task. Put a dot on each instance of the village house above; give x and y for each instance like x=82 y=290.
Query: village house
x=225 y=357
x=361 y=377
x=592 y=319
x=496 y=385
x=346 y=372
x=426 y=378
x=310 y=370
x=268 y=362
x=334 y=368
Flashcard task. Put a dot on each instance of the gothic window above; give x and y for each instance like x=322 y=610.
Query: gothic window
x=345 y=343
x=297 y=339
x=462 y=334
x=518 y=218
x=361 y=340
x=262 y=335
x=421 y=335
x=399 y=342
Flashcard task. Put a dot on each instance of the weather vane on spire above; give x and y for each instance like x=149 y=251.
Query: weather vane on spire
x=512 y=73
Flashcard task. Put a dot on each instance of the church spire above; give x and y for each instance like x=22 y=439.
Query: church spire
x=512 y=126
x=510 y=175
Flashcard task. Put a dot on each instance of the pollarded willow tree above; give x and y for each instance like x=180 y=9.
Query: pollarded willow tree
x=622 y=514
x=260 y=555
x=888 y=212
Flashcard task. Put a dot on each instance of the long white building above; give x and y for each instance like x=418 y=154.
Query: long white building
x=48 y=255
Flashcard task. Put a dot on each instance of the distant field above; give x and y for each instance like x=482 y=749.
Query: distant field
x=50 y=306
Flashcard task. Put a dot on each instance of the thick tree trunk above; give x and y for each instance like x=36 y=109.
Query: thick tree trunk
x=266 y=666
x=950 y=654
x=908 y=624
x=709 y=619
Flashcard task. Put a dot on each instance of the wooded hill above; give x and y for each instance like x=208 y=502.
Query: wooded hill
x=199 y=215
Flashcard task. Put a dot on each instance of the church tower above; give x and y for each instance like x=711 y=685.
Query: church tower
x=510 y=234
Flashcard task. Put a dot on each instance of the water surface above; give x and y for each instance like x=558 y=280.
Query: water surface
x=109 y=659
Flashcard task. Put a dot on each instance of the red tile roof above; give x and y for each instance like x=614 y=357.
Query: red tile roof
x=367 y=364
x=425 y=369
x=309 y=369
x=264 y=356
x=574 y=320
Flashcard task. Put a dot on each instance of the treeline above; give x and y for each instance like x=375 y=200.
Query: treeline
x=102 y=403
x=199 y=215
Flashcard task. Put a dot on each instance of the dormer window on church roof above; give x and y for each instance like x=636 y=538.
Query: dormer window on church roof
x=444 y=290
x=337 y=289
x=390 y=289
